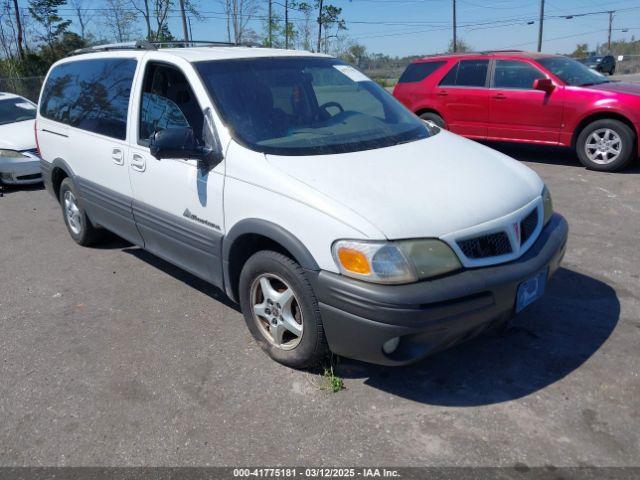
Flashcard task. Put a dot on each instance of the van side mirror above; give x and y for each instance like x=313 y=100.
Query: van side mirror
x=182 y=143
x=175 y=143
x=543 y=84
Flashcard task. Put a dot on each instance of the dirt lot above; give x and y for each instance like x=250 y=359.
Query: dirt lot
x=109 y=356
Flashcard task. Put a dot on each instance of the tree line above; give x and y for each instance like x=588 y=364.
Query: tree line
x=32 y=38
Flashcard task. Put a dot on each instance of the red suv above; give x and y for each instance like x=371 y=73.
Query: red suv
x=527 y=97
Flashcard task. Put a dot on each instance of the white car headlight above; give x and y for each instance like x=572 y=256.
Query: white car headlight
x=403 y=261
x=11 y=154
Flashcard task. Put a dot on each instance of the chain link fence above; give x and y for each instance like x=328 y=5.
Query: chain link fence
x=28 y=87
x=629 y=64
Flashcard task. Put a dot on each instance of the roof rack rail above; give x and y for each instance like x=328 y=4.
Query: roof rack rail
x=138 y=45
x=155 y=45
x=486 y=52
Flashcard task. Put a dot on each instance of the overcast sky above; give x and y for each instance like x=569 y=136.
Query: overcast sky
x=403 y=27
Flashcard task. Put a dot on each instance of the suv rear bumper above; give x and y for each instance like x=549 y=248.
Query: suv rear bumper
x=432 y=315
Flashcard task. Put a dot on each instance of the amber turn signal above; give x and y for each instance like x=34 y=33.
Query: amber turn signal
x=354 y=261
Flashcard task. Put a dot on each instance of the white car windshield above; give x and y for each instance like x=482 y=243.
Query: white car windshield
x=306 y=106
x=16 y=110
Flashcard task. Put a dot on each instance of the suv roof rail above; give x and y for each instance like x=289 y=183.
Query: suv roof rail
x=502 y=51
x=155 y=45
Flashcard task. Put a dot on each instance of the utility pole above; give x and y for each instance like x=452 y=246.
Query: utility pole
x=185 y=31
x=609 y=36
x=540 y=27
x=455 y=40
x=286 y=24
x=319 y=25
x=270 y=23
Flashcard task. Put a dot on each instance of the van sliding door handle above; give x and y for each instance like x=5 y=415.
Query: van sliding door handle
x=138 y=163
x=118 y=156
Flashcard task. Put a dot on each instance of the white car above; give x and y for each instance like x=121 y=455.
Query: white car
x=336 y=218
x=19 y=162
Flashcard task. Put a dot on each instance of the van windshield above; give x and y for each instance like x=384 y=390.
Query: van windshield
x=306 y=106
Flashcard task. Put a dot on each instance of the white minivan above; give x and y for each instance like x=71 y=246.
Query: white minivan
x=338 y=220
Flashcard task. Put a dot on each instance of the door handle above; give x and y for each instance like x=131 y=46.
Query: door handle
x=118 y=156
x=138 y=163
x=500 y=96
x=442 y=93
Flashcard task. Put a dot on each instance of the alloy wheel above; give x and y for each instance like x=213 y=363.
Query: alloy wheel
x=276 y=311
x=603 y=146
x=72 y=212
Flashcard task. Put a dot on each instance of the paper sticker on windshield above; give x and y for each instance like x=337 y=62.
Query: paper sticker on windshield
x=352 y=73
x=25 y=105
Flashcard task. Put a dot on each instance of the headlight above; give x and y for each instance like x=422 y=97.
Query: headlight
x=11 y=154
x=404 y=261
x=548 y=205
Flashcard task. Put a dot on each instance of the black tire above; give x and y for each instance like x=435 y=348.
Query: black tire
x=613 y=71
x=435 y=118
x=627 y=151
x=312 y=348
x=87 y=234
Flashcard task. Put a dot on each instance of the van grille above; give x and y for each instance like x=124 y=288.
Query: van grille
x=485 y=246
x=528 y=226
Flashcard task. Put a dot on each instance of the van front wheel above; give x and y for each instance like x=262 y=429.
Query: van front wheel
x=281 y=310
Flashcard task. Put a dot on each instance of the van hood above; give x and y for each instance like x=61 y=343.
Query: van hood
x=427 y=188
x=18 y=136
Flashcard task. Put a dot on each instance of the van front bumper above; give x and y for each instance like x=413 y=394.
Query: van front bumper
x=428 y=316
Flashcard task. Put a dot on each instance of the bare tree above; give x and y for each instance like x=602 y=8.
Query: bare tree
x=239 y=13
x=84 y=15
x=305 y=25
x=145 y=11
x=19 y=30
x=120 y=20
x=7 y=38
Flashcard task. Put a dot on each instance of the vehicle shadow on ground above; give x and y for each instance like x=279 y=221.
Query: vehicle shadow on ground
x=181 y=275
x=543 y=344
x=7 y=190
x=550 y=155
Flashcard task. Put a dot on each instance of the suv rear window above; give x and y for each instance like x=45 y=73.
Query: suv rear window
x=90 y=94
x=416 y=72
x=467 y=73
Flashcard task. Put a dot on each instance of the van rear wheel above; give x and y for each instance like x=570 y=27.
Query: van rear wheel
x=281 y=310
x=606 y=145
x=75 y=218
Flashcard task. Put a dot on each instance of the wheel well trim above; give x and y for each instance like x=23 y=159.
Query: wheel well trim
x=271 y=231
x=602 y=115
x=61 y=164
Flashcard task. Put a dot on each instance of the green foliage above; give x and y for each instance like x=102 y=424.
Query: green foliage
x=461 y=46
x=45 y=13
x=333 y=382
x=581 y=51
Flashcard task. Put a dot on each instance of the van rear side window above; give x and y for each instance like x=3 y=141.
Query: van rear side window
x=90 y=94
x=416 y=72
